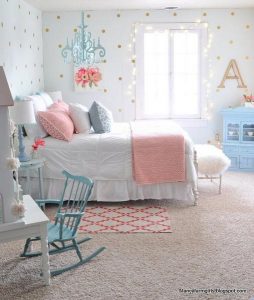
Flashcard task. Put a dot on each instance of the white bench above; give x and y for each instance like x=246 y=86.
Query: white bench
x=211 y=163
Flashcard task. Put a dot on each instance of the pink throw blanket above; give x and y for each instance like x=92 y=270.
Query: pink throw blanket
x=158 y=151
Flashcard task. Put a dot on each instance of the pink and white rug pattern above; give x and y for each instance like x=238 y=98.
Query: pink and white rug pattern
x=125 y=219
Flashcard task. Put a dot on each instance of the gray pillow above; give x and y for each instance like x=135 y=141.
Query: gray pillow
x=100 y=117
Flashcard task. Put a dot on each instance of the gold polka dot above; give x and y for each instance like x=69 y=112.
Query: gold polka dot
x=218 y=57
x=38 y=48
x=16 y=67
x=60 y=46
x=231 y=42
x=26 y=66
x=133 y=61
x=14 y=27
x=9 y=44
x=247 y=26
x=218 y=27
x=75 y=29
x=88 y=16
x=21 y=82
x=24 y=30
x=246 y=57
x=204 y=14
x=33 y=34
x=147 y=14
x=34 y=65
x=61 y=75
x=20 y=45
x=232 y=13
x=2 y=24
x=103 y=30
x=174 y=14
x=19 y=6
x=47 y=29
x=58 y=17
x=118 y=15
x=104 y=61
x=31 y=82
x=133 y=101
x=29 y=13
x=39 y=80
x=119 y=109
x=30 y=46
x=105 y=90
x=120 y=78
x=218 y=90
x=119 y=46
x=37 y=17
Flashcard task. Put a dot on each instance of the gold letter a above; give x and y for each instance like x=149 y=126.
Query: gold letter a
x=232 y=66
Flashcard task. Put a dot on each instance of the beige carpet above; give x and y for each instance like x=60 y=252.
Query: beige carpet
x=211 y=247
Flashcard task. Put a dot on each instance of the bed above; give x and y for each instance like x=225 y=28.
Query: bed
x=107 y=159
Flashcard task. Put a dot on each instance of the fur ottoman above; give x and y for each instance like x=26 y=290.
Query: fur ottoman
x=212 y=162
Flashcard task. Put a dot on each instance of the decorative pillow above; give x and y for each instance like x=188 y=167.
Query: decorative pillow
x=55 y=96
x=80 y=117
x=47 y=99
x=36 y=130
x=57 y=123
x=101 y=118
x=59 y=105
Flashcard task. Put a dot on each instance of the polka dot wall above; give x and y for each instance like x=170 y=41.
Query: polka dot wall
x=232 y=33
x=21 y=47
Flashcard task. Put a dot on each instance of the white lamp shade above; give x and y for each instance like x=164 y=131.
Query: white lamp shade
x=23 y=112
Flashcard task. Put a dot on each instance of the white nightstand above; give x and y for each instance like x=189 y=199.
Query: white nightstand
x=28 y=166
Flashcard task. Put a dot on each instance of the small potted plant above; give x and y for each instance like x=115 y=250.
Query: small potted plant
x=37 y=143
x=248 y=101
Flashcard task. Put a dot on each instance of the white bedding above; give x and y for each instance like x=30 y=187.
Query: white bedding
x=107 y=159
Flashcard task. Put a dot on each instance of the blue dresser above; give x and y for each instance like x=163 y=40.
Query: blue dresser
x=238 y=137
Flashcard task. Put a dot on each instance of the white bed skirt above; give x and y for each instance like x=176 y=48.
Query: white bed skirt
x=119 y=190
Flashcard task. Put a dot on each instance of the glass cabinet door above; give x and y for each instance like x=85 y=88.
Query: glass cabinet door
x=248 y=132
x=233 y=131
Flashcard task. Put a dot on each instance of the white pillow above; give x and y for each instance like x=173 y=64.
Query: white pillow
x=80 y=117
x=47 y=99
x=55 y=96
x=36 y=130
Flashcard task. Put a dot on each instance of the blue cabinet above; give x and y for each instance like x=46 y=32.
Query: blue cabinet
x=238 y=137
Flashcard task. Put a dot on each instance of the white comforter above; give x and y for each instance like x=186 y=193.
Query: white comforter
x=99 y=156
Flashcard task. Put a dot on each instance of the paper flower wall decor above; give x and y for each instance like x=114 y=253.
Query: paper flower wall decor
x=87 y=77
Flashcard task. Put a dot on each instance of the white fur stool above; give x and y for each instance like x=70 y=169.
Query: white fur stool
x=212 y=163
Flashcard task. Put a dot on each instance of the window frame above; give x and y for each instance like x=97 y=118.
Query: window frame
x=140 y=30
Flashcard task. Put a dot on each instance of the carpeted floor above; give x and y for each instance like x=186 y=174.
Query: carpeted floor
x=211 y=247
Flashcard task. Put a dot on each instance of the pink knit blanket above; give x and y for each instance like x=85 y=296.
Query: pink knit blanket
x=158 y=151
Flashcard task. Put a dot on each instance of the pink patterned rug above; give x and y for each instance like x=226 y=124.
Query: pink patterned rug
x=125 y=219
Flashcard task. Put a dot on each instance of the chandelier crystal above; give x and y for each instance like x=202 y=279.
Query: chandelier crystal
x=83 y=50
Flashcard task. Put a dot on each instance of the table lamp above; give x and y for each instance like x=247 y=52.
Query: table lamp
x=23 y=114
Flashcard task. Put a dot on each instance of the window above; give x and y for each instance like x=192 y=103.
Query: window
x=170 y=67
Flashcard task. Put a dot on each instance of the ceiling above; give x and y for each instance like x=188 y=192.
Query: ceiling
x=65 y=5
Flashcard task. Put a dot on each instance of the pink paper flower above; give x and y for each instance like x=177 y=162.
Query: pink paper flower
x=82 y=77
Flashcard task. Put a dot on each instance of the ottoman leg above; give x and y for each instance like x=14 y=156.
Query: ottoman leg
x=220 y=184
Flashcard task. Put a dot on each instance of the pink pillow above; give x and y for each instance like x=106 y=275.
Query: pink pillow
x=59 y=105
x=57 y=124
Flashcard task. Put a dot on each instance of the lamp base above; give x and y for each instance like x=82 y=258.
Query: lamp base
x=22 y=154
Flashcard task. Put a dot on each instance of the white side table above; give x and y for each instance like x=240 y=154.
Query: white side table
x=34 y=164
x=33 y=224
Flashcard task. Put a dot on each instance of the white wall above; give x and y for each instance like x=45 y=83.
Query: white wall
x=232 y=30
x=21 y=46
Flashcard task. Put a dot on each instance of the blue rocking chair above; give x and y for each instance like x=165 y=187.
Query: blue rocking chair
x=62 y=233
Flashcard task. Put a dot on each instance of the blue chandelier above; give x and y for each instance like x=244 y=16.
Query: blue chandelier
x=83 y=50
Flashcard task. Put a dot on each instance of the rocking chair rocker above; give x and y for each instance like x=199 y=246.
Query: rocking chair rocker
x=62 y=233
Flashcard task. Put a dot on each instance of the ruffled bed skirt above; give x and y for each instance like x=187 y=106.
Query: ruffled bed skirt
x=120 y=190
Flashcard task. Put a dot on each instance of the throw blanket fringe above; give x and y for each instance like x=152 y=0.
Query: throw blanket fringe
x=158 y=150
